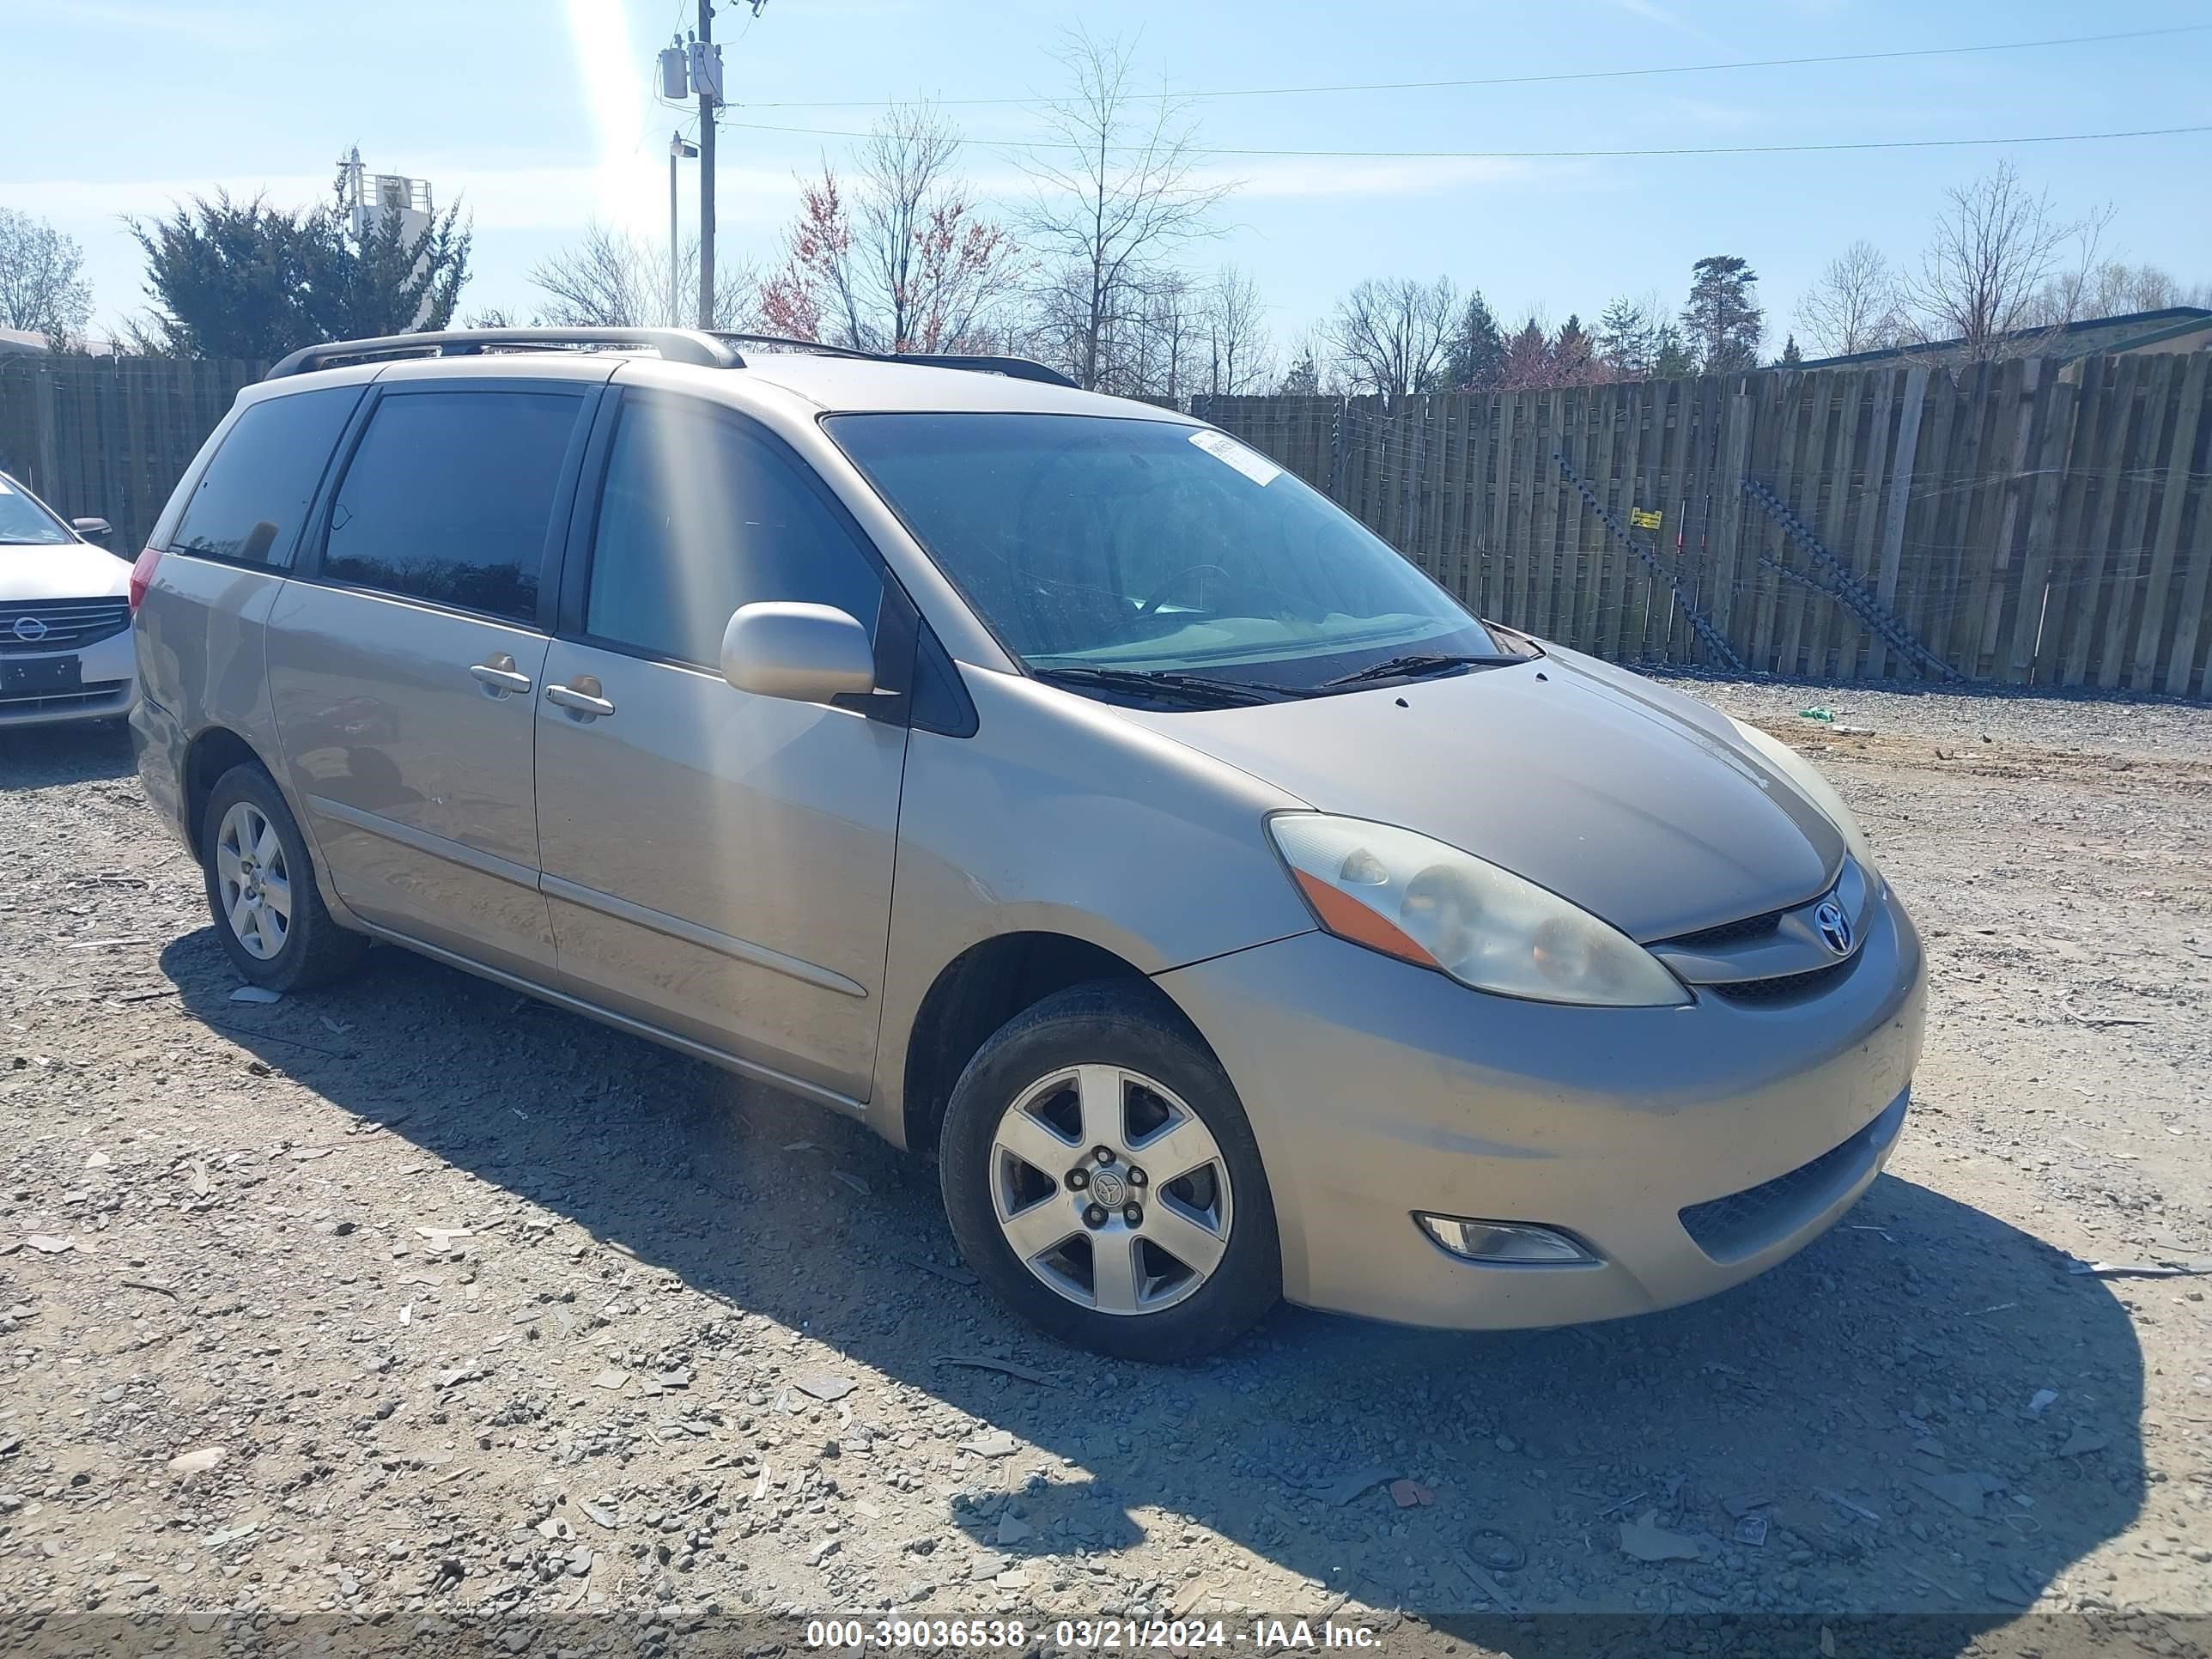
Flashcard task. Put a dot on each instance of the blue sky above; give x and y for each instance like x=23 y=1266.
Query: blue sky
x=538 y=115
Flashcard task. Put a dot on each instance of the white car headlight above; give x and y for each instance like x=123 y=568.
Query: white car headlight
x=1815 y=789
x=1412 y=897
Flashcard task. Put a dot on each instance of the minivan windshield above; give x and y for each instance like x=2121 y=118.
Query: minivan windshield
x=24 y=522
x=1122 y=556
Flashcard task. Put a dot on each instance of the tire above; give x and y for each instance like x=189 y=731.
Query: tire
x=1147 y=1073
x=296 y=944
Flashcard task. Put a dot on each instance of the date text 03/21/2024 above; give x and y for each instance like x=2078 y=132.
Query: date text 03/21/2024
x=1088 y=1635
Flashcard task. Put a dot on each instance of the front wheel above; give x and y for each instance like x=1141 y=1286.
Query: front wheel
x=1101 y=1179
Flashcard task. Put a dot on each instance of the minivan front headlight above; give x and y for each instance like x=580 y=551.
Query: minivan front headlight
x=1408 y=897
x=1808 y=782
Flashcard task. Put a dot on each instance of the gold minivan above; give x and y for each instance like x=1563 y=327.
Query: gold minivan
x=1051 y=781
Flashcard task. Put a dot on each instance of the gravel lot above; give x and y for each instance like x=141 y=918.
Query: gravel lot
x=411 y=1296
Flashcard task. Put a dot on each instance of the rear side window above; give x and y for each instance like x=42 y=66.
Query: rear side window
x=699 y=517
x=254 y=495
x=448 y=497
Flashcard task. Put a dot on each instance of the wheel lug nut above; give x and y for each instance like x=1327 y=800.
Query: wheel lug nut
x=1133 y=1214
x=1101 y=1155
x=1094 y=1216
x=1077 y=1179
x=1136 y=1177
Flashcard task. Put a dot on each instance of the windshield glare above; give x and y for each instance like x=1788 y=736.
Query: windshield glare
x=1147 y=546
x=24 y=520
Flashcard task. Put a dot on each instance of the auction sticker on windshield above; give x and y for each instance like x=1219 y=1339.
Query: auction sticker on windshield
x=1252 y=464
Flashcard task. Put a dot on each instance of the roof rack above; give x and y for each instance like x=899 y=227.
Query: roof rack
x=680 y=345
x=704 y=348
x=1014 y=369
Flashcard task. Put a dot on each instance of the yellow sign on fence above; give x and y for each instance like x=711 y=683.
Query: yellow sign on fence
x=1644 y=518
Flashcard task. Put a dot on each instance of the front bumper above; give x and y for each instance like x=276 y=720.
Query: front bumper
x=1376 y=1089
x=108 y=681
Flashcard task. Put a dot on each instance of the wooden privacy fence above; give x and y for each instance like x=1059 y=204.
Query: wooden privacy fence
x=108 y=437
x=2028 y=523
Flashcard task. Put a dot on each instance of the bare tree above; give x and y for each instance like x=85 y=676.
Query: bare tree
x=1852 y=305
x=1159 y=354
x=1392 y=335
x=2114 y=289
x=1104 y=219
x=42 y=286
x=903 y=260
x=1999 y=264
x=610 y=279
x=1239 y=356
x=1532 y=363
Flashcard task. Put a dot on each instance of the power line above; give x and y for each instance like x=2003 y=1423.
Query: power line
x=1542 y=154
x=1532 y=80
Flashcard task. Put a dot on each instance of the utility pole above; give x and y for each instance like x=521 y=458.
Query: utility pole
x=710 y=89
x=678 y=151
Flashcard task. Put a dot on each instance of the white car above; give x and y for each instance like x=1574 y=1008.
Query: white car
x=64 y=617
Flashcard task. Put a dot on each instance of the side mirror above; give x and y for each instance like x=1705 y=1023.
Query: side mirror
x=802 y=652
x=93 y=530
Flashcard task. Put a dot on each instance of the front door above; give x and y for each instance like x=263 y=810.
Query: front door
x=717 y=864
x=404 y=666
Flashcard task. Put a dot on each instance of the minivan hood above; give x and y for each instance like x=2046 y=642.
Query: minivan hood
x=1636 y=802
x=71 y=571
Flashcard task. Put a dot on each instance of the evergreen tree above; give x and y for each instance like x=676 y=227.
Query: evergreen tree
x=1670 y=354
x=1625 y=338
x=1573 y=354
x=1477 y=359
x=1791 y=357
x=1303 y=380
x=1723 y=319
x=233 y=279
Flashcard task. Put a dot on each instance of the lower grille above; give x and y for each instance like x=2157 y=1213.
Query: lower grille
x=1743 y=1223
x=56 y=703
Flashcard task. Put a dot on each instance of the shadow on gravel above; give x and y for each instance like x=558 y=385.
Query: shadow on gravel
x=42 y=756
x=1861 y=1431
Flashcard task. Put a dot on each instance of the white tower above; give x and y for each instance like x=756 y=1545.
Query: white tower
x=370 y=195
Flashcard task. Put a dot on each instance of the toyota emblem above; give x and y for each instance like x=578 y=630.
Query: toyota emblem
x=1834 y=926
x=29 y=629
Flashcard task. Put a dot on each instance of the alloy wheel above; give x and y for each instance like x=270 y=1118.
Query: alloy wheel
x=1111 y=1189
x=252 y=882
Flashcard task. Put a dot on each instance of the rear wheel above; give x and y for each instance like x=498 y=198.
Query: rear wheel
x=261 y=888
x=1102 y=1179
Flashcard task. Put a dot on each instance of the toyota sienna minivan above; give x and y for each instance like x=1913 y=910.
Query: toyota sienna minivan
x=1050 y=781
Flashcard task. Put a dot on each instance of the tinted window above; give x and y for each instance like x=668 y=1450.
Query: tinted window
x=700 y=517
x=254 y=496
x=448 y=497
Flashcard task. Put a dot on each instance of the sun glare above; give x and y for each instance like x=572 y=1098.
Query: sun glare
x=615 y=94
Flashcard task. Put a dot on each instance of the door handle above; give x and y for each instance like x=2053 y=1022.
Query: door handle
x=581 y=699
x=498 y=675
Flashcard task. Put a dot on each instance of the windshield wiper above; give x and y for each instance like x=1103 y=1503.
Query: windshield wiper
x=1196 y=689
x=1418 y=662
